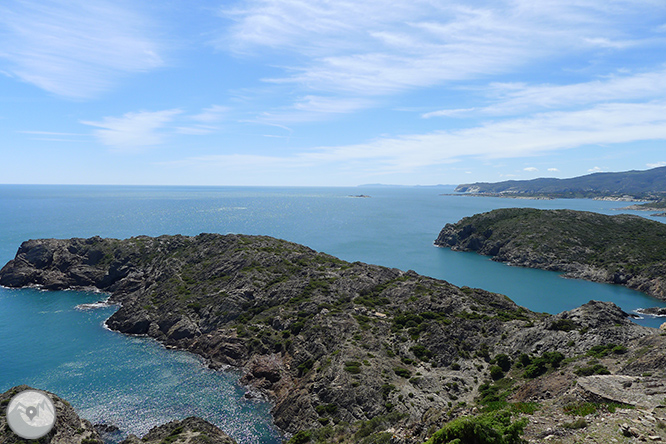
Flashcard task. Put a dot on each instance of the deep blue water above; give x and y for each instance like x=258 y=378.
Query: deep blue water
x=134 y=382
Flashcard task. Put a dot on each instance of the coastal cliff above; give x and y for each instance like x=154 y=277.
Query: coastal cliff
x=333 y=344
x=623 y=249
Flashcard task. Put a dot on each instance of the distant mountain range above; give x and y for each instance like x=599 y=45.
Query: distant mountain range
x=648 y=184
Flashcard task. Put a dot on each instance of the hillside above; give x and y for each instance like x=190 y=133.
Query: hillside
x=350 y=351
x=648 y=184
x=623 y=249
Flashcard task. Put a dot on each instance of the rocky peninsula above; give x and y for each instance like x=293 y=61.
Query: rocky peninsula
x=622 y=249
x=348 y=351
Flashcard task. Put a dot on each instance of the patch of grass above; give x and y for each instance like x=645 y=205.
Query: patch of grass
x=600 y=351
x=596 y=369
x=590 y=408
x=527 y=408
x=579 y=423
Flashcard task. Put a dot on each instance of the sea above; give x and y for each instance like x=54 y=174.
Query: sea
x=49 y=342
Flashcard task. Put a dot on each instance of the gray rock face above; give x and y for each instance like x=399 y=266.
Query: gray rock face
x=190 y=430
x=324 y=339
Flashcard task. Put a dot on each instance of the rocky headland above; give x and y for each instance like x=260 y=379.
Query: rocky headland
x=350 y=352
x=623 y=249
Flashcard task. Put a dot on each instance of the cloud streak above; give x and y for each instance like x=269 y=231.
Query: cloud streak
x=77 y=48
x=523 y=137
x=133 y=131
x=367 y=48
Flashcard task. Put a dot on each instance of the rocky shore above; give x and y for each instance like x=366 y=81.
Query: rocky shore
x=69 y=428
x=344 y=350
x=624 y=249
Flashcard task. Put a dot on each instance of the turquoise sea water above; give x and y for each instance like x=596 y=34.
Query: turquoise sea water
x=134 y=382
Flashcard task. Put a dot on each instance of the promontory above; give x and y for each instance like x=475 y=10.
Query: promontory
x=352 y=352
x=621 y=249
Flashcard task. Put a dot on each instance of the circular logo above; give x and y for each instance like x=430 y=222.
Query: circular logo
x=31 y=414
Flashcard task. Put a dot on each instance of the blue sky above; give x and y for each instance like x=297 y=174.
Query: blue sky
x=318 y=92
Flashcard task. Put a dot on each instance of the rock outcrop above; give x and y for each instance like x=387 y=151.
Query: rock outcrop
x=190 y=430
x=69 y=428
x=328 y=341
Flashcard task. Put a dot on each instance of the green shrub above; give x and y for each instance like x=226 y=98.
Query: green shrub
x=353 y=367
x=496 y=372
x=599 y=351
x=421 y=352
x=563 y=325
x=402 y=372
x=581 y=408
x=488 y=428
x=305 y=367
x=596 y=369
x=300 y=438
x=503 y=361
x=326 y=409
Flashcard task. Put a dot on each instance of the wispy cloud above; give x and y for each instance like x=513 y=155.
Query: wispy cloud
x=531 y=169
x=74 y=48
x=516 y=98
x=368 y=48
x=51 y=133
x=553 y=170
x=133 y=131
x=535 y=135
x=655 y=165
x=214 y=113
x=596 y=169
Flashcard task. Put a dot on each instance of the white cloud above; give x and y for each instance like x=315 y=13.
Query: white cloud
x=516 y=98
x=531 y=169
x=541 y=133
x=74 y=48
x=655 y=165
x=595 y=169
x=197 y=130
x=368 y=48
x=553 y=170
x=214 y=113
x=133 y=131
x=51 y=133
x=448 y=113
x=333 y=105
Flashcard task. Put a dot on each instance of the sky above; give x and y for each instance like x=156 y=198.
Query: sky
x=329 y=92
